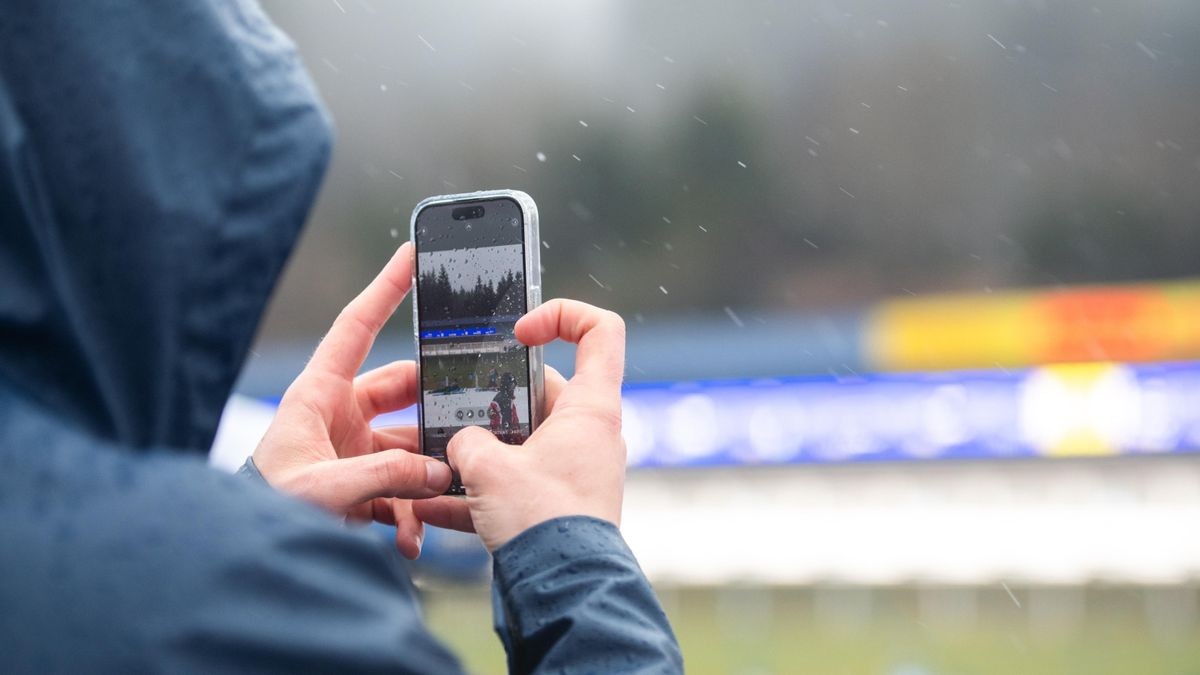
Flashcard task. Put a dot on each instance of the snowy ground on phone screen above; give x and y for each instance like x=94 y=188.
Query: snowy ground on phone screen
x=441 y=409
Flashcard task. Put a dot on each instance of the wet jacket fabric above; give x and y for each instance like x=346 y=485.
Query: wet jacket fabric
x=156 y=163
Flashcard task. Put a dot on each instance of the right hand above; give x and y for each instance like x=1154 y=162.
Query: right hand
x=573 y=464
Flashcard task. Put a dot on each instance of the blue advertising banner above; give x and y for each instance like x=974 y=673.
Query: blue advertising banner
x=1056 y=410
x=1085 y=409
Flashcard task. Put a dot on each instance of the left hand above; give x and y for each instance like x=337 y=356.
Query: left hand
x=321 y=446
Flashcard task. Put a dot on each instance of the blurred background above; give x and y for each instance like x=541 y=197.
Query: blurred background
x=913 y=295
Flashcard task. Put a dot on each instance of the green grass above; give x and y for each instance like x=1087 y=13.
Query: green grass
x=885 y=631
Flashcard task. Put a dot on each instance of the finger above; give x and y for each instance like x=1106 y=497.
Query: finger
x=382 y=511
x=349 y=340
x=450 y=513
x=387 y=388
x=468 y=453
x=410 y=531
x=600 y=334
x=340 y=484
x=393 y=438
x=359 y=513
x=555 y=383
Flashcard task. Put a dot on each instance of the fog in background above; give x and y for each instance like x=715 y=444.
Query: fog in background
x=762 y=156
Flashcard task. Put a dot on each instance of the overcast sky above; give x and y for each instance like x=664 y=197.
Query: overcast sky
x=490 y=262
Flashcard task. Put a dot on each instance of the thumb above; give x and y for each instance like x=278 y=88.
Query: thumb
x=471 y=452
x=342 y=483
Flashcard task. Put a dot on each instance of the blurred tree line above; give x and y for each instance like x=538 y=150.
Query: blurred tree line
x=440 y=301
x=691 y=157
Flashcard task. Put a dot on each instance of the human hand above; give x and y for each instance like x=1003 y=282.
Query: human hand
x=321 y=448
x=573 y=464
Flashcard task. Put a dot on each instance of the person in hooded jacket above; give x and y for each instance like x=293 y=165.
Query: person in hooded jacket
x=156 y=163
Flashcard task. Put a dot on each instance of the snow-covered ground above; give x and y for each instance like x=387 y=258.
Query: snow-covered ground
x=440 y=409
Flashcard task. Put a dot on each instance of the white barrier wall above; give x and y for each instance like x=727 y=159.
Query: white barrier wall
x=1120 y=520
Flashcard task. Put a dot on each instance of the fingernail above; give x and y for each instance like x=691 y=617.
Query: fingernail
x=418 y=542
x=437 y=475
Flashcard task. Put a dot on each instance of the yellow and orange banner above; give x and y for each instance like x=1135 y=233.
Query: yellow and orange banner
x=1130 y=322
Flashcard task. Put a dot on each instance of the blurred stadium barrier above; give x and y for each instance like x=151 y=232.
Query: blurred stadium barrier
x=835 y=478
x=763 y=512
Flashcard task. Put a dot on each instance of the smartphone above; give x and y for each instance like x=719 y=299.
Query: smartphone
x=477 y=271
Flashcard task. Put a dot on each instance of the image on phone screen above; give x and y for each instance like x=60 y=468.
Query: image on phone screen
x=470 y=292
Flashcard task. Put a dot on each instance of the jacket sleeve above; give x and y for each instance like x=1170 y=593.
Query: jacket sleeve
x=569 y=597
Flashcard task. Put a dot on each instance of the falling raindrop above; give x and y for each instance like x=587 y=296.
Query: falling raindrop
x=1011 y=595
x=541 y=156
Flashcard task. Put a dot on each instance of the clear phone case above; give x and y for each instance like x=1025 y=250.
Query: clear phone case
x=533 y=291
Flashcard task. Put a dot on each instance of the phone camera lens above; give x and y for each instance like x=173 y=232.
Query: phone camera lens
x=467 y=213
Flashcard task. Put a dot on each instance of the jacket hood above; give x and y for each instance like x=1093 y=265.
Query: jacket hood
x=157 y=161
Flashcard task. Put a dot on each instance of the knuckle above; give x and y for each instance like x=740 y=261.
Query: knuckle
x=363 y=325
x=602 y=419
x=370 y=400
x=609 y=420
x=395 y=471
x=615 y=320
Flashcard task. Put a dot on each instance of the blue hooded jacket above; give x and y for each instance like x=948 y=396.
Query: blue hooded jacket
x=157 y=160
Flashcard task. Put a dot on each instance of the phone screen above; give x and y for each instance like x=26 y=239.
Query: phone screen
x=470 y=292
